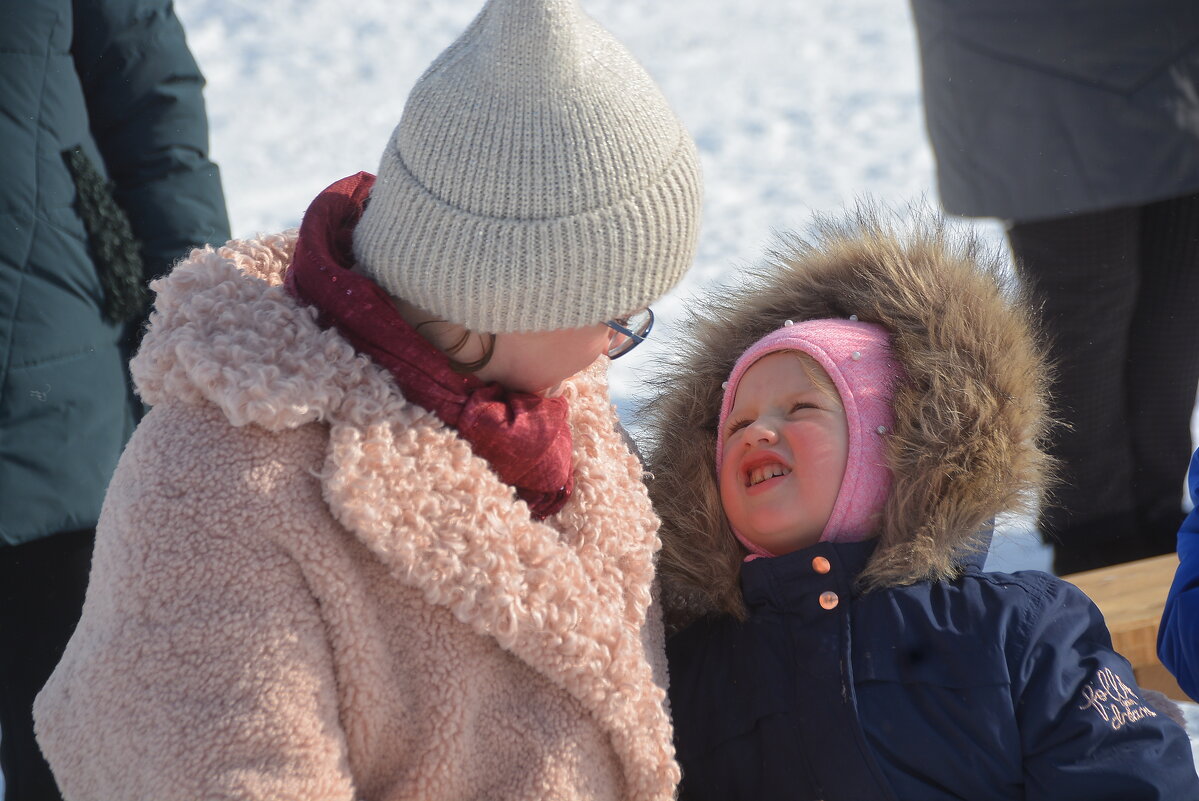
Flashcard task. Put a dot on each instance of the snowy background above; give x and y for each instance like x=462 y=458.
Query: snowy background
x=797 y=107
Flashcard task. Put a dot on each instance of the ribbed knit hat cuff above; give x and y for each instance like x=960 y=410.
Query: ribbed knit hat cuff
x=857 y=357
x=507 y=275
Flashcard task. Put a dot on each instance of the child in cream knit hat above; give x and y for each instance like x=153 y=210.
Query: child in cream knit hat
x=564 y=193
x=379 y=536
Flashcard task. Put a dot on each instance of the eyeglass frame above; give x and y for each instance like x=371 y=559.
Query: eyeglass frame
x=631 y=338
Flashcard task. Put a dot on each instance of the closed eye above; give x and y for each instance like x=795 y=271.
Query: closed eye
x=803 y=405
x=737 y=426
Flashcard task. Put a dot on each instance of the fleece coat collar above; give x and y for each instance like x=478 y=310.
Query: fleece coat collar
x=568 y=596
x=524 y=437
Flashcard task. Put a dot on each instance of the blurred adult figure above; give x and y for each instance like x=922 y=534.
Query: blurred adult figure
x=105 y=182
x=1077 y=123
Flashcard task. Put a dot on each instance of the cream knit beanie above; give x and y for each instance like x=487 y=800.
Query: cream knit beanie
x=537 y=180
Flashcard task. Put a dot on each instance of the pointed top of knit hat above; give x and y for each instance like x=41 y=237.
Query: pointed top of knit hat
x=537 y=180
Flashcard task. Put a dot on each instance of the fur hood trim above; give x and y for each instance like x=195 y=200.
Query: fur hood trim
x=970 y=413
x=568 y=596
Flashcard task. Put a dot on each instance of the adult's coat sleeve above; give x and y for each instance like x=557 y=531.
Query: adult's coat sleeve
x=147 y=114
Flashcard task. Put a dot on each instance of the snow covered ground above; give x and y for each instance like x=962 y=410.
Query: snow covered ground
x=797 y=108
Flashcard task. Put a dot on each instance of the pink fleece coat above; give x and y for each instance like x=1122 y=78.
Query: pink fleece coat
x=305 y=587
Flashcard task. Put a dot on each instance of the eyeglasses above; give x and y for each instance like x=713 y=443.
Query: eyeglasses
x=630 y=331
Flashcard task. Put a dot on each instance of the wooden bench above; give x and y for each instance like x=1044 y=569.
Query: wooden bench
x=1131 y=597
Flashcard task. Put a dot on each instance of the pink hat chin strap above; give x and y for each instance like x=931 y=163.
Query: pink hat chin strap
x=857 y=357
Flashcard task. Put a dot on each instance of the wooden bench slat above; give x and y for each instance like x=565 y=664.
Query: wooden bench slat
x=1131 y=597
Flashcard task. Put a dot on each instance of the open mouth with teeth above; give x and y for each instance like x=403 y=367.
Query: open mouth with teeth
x=765 y=472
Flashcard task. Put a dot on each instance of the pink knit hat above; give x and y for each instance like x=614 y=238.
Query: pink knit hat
x=857 y=357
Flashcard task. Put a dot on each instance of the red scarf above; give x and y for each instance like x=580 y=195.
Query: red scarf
x=524 y=437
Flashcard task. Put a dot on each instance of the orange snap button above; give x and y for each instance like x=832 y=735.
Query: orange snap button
x=829 y=600
x=821 y=565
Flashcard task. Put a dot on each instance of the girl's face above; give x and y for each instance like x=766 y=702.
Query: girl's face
x=539 y=361
x=535 y=362
x=786 y=444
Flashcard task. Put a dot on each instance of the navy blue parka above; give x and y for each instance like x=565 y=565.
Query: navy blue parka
x=902 y=671
x=990 y=687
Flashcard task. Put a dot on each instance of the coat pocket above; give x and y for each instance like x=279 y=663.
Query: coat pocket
x=114 y=249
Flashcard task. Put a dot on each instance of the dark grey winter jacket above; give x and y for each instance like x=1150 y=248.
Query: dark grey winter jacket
x=93 y=91
x=1039 y=108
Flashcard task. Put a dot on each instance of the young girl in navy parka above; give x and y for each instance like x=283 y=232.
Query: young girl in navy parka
x=873 y=403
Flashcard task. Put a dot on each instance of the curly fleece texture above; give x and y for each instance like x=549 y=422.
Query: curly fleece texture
x=305 y=587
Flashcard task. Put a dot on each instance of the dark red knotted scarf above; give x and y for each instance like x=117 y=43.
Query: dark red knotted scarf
x=524 y=437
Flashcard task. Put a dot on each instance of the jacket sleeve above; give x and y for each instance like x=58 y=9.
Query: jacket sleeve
x=201 y=667
x=147 y=115
x=1087 y=731
x=1178 y=636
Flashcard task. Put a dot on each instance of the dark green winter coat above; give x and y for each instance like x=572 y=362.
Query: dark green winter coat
x=1041 y=108
x=100 y=101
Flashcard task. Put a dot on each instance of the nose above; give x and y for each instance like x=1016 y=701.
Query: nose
x=758 y=431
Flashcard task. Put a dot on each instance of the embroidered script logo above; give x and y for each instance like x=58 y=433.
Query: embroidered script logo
x=1114 y=700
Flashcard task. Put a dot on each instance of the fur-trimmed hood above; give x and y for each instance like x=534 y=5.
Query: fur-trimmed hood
x=970 y=414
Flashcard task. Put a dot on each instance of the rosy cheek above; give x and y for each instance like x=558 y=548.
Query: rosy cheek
x=729 y=482
x=818 y=447
x=725 y=473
